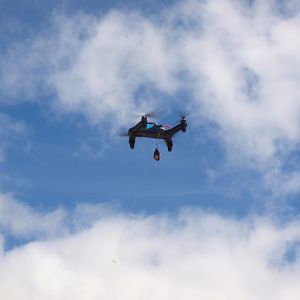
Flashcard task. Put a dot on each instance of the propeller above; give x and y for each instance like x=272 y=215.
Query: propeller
x=183 y=120
x=182 y=114
x=150 y=114
x=123 y=133
x=182 y=117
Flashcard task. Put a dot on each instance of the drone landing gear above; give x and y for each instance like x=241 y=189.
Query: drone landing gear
x=169 y=143
x=131 y=142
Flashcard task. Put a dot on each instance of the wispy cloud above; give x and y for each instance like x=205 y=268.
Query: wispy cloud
x=237 y=62
x=22 y=221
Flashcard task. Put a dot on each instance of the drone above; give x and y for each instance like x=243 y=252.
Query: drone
x=154 y=131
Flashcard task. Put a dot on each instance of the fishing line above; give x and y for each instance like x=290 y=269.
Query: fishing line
x=130 y=219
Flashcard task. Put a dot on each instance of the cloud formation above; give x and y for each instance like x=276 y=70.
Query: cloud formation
x=236 y=63
x=22 y=221
x=191 y=255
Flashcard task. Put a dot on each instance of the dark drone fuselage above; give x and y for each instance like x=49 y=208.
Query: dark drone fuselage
x=151 y=130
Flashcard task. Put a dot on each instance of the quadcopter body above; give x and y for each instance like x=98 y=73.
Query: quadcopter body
x=152 y=130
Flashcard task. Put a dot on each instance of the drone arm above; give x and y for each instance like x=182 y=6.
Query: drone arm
x=175 y=129
x=180 y=127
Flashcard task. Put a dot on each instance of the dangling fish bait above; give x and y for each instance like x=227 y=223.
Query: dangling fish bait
x=156 y=154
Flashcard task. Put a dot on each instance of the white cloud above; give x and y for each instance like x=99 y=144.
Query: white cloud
x=238 y=62
x=20 y=220
x=246 y=70
x=192 y=255
x=123 y=54
x=241 y=67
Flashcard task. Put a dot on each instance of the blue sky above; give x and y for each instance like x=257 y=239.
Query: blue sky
x=69 y=160
x=75 y=74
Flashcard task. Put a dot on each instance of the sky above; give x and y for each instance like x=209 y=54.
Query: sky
x=82 y=216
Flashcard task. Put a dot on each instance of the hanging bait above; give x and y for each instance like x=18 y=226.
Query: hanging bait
x=156 y=155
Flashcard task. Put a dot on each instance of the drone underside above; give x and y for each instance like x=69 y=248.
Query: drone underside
x=151 y=130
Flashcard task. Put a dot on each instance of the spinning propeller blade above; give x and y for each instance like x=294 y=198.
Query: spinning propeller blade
x=151 y=114
x=123 y=133
x=182 y=115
